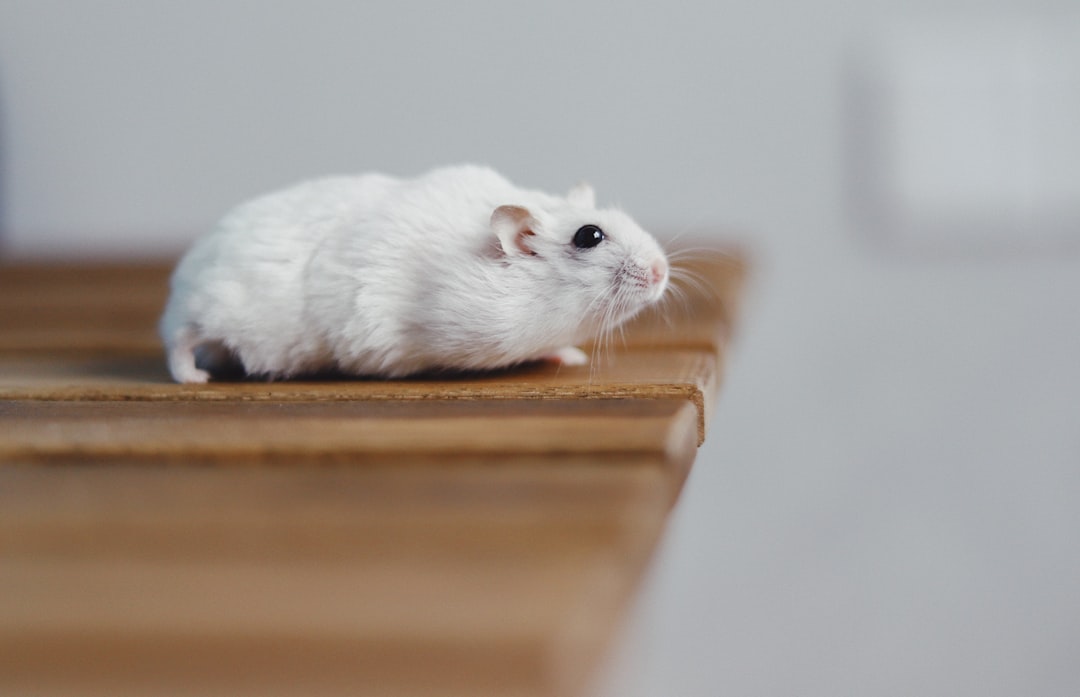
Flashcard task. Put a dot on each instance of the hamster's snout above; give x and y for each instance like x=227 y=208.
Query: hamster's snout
x=658 y=271
x=648 y=275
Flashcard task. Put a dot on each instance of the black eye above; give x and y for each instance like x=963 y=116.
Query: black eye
x=588 y=236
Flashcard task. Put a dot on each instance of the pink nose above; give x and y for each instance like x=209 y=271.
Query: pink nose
x=658 y=271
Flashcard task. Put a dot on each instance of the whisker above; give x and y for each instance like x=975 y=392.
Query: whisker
x=598 y=340
x=692 y=280
x=694 y=223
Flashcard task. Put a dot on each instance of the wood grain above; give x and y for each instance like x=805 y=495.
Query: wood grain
x=471 y=536
x=354 y=433
x=467 y=580
x=690 y=375
x=92 y=308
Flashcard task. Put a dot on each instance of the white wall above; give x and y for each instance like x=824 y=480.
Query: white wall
x=887 y=501
x=128 y=127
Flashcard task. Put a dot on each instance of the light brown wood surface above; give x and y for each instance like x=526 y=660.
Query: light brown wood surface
x=476 y=536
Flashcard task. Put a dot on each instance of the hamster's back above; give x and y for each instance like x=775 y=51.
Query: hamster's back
x=330 y=270
x=242 y=283
x=366 y=289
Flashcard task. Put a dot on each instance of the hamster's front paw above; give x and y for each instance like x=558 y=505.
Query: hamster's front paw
x=569 y=355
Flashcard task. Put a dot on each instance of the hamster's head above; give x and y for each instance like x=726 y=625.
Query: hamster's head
x=599 y=261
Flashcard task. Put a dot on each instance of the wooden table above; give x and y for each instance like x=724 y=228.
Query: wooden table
x=471 y=537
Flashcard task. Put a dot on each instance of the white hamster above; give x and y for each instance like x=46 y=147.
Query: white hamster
x=457 y=270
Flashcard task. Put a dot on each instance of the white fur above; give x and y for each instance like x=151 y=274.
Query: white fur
x=383 y=277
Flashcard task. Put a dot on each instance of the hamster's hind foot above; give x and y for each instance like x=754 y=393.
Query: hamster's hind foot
x=182 y=358
x=568 y=355
x=182 y=367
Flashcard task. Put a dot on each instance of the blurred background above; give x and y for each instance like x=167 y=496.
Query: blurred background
x=889 y=500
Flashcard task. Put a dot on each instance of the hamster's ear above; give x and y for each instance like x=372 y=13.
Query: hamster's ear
x=514 y=226
x=582 y=196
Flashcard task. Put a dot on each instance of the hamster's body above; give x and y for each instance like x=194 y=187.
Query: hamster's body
x=377 y=276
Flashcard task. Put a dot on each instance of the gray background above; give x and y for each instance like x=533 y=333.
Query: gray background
x=889 y=500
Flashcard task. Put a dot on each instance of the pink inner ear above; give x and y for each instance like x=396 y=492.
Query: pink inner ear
x=521 y=241
x=514 y=225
